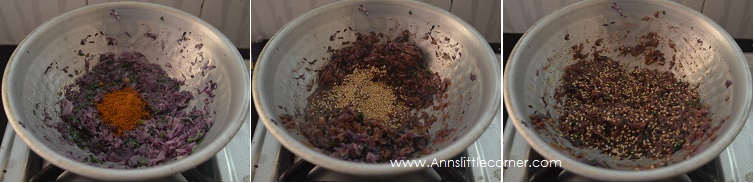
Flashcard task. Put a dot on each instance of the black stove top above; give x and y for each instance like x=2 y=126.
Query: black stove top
x=290 y=170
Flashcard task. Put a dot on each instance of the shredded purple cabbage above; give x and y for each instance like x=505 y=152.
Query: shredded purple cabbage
x=172 y=132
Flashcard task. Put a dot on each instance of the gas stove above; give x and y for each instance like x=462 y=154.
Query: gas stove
x=273 y=162
x=20 y=164
x=733 y=164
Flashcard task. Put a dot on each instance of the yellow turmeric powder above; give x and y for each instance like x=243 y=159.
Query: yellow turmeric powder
x=122 y=109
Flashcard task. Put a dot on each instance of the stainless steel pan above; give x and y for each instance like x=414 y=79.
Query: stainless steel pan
x=473 y=104
x=25 y=83
x=537 y=62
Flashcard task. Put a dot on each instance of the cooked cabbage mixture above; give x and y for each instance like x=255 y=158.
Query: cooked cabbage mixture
x=628 y=113
x=365 y=106
x=129 y=112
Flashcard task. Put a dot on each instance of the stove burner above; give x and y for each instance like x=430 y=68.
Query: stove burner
x=555 y=174
x=229 y=164
x=718 y=169
x=48 y=174
x=273 y=162
x=206 y=172
x=707 y=173
x=302 y=171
